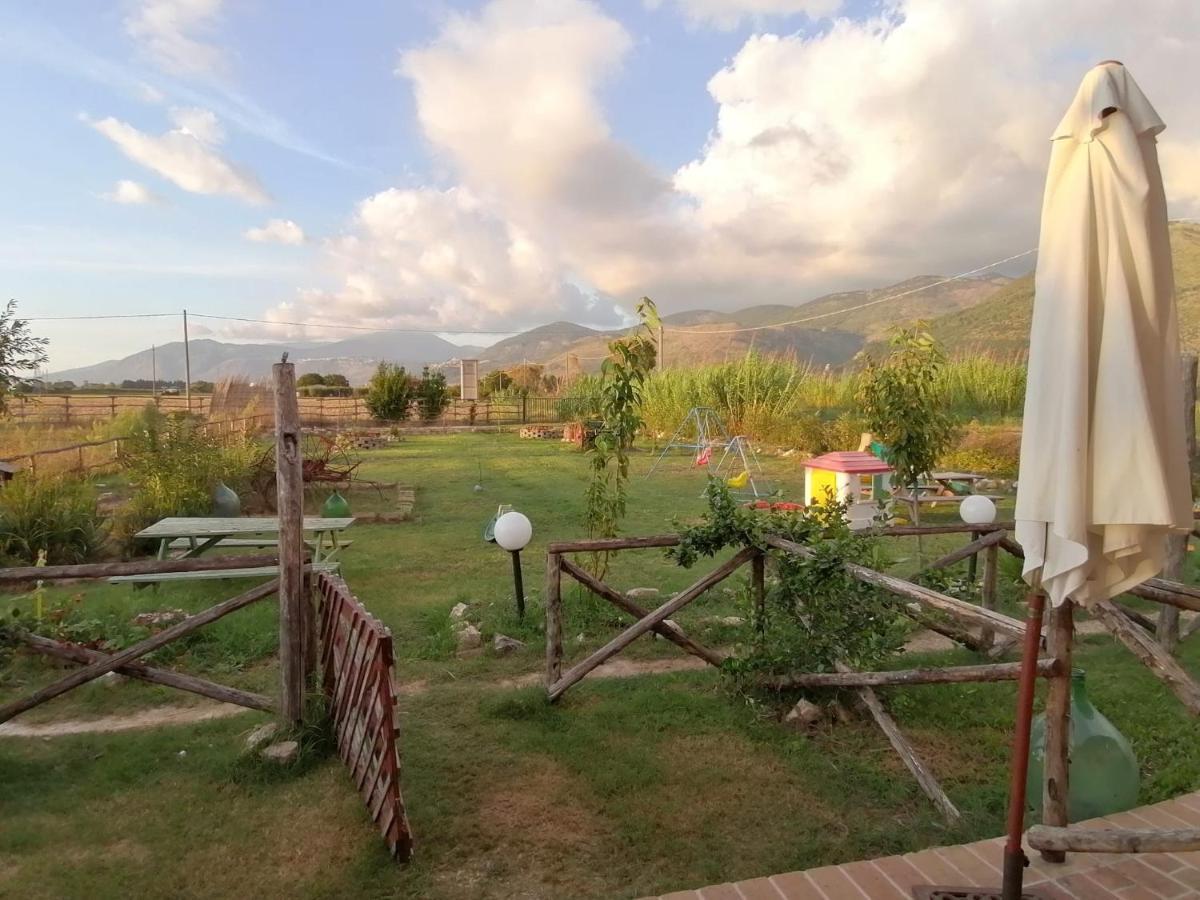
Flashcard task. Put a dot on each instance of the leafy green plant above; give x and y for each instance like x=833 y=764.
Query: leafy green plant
x=174 y=464
x=20 y=351
x=432 y=394
x=50 y=518
x=815 y=613
x=389 y=393
x=623 y=375
x=903 y=407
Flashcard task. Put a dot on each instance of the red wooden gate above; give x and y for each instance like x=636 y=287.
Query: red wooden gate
x=356 y=667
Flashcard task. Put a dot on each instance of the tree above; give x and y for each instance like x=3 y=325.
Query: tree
x=20 y=351
x=336 y=380
x=432 y=394
x=310 y=379
x=904 y=408
x=389 y=393
x=494 y=382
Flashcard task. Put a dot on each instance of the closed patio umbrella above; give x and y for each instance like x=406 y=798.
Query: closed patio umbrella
x=1104 y=472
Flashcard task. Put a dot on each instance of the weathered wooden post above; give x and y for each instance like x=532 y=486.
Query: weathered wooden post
x=1057 y=755
x=553 y=600
x=1168 y=616
x=293 y=605
x=758 y=586
x=991 y=564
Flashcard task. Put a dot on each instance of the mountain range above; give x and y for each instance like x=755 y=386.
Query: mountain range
x=988 y=314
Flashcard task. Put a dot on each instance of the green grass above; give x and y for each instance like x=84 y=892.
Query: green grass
x=625 y=788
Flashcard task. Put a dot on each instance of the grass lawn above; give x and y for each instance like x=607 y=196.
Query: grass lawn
x=626 y=787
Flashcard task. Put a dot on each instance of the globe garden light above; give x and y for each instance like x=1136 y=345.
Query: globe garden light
x=513 y=531
x=977 y=510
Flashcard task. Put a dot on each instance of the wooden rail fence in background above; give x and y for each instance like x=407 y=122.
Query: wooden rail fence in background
x=356 y=671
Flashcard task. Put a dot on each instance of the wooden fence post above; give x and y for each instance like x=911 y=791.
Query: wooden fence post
x=554 y=648
x=289 y=482
x=1168 y=616
x=991 y=563
x=1057 y=754
x=758 y=586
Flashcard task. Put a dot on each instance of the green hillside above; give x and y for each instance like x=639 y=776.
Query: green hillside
x=1000 y=324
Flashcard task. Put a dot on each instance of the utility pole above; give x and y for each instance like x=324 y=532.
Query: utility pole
x=187 y=364
x=153 y=372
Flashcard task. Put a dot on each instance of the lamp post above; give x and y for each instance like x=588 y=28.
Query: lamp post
x=513 y=531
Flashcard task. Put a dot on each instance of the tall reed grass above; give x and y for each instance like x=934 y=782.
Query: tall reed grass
x=798 y=403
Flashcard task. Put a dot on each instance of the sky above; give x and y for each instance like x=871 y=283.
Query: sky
x=463 y=167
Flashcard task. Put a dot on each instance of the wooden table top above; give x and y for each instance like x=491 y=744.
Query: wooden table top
x=200 y=527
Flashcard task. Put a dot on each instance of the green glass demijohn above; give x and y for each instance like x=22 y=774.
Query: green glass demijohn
x=226 y=503
x=1104 y=771
x=336 y=507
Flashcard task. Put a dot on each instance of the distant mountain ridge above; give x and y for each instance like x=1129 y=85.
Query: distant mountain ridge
x=837 y=326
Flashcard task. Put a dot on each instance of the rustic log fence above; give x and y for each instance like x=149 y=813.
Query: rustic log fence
x=976 y=627
x=356 y=675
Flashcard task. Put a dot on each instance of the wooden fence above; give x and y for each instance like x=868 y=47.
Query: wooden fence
x=81 y=409
x=356 y=668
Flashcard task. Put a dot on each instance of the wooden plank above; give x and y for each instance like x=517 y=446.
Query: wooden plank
x=1113 y=840
x=289 y=492
x=600 y=545
x=635 y=631
x=949 y=675
x=942 y=602
x=1057 y=755
x=219 y=574
x=1145 y=648
x=905 y=750
x=553 y=600
x=955 y=528
x=988 y=590
x=616 y=598
x=136 y=567
x=989 y=540
x=141 y=648
x=190 y=683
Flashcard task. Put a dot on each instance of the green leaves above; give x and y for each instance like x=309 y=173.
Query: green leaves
x=389 y=393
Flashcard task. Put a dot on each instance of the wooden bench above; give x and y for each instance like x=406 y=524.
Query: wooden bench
x=255 y=572
x=260 y=543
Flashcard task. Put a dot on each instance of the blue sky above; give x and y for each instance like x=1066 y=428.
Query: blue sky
x=644 y=173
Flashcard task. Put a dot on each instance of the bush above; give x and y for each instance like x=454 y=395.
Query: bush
x=432 y=394
x=389 y=393
x=310 y=379
x=175 y=464
x=54 y=515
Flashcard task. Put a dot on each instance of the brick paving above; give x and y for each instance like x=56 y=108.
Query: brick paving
x=1084 y=876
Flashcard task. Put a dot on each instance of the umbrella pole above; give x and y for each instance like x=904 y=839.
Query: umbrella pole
x=1015 y=860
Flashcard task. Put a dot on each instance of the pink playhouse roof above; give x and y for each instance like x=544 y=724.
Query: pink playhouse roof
x=851 y=461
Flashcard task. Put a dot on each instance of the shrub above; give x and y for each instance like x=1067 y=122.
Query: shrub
x=175 y=464
x=310 y=379
x=54 y=515
x=389 y=393
x=432 y=394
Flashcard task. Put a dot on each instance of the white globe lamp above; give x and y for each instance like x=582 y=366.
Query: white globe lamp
x=513 y=531
x=977 y=510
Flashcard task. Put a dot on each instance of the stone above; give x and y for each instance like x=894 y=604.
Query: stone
x=160 y=618
x=260 y=736
x=282 y=752
x=469 y=640
x=502 y=644
x=112 y=679
x=804 y=715
x=642 y=593
x=458 y=611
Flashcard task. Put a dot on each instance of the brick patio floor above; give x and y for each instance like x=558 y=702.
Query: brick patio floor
x=1085 y=876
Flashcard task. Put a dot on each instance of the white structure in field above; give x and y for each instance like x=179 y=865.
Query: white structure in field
x=469 y=378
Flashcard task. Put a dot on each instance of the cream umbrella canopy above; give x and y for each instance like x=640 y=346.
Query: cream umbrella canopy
x=1104 y=473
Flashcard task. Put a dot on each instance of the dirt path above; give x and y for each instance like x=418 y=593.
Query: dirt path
x=146 y=718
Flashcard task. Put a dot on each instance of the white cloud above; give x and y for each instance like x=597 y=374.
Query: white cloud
x=186 y=155
x=439 y=259
x=277 y=231
x=869 y=151
x=728 y=14
x=132 y=193
x=176 y=35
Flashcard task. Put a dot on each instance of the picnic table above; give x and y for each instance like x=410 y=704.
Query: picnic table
x=194 y=536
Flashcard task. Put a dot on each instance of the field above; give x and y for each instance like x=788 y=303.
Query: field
x=626 y=787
